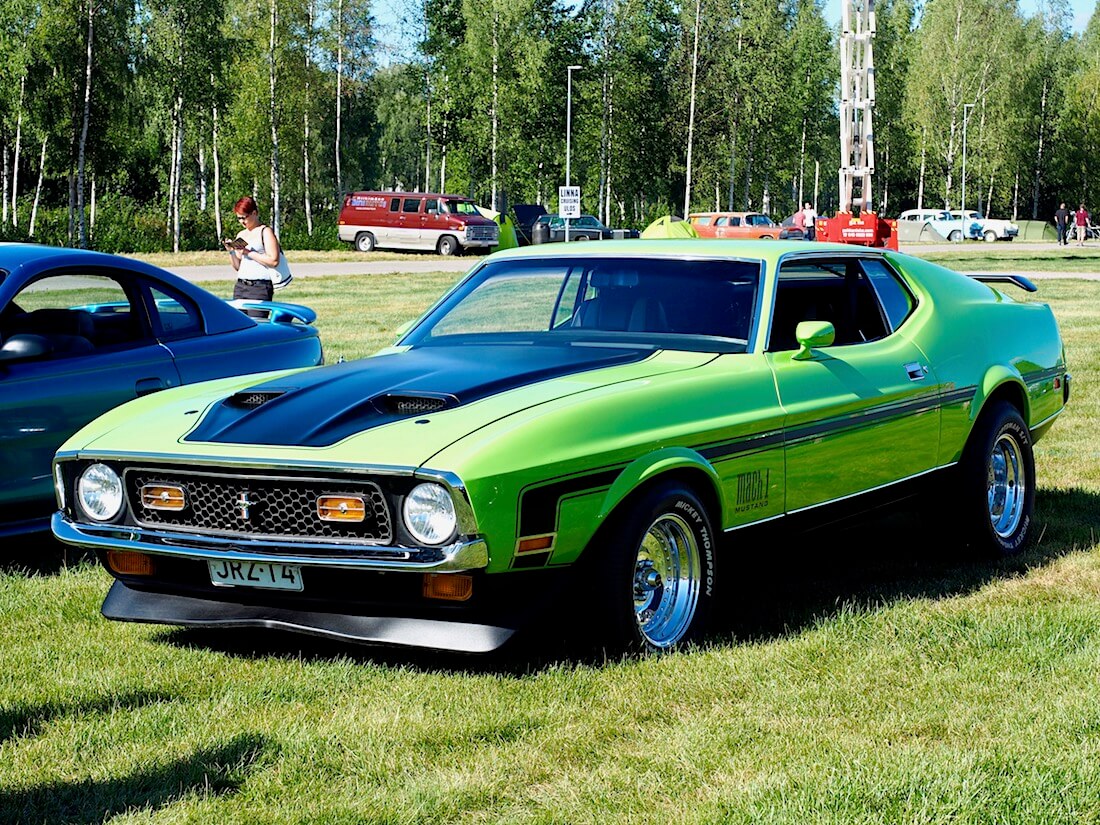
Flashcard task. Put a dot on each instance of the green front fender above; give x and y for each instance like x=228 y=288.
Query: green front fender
x=649 y=467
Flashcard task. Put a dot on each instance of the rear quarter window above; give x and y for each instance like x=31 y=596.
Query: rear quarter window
x=897 y=302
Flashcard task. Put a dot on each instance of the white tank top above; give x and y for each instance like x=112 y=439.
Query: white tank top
x=250 y=269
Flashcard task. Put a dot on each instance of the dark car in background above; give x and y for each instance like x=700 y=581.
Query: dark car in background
x=82 y=332
x=584 y=228
x=525 y=216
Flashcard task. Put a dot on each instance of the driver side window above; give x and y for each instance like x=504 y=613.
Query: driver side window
x=68 y=315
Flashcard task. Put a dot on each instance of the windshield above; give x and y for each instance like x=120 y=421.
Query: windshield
x=653 y=303
x=460 y=207
x=760 y=220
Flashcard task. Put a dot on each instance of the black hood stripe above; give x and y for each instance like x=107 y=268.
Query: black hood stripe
x=320 y=407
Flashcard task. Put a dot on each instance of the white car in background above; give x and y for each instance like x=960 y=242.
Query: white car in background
x=992 y=228
x=948 y=225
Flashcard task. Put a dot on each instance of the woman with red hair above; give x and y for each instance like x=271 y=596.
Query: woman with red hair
x=254 y=253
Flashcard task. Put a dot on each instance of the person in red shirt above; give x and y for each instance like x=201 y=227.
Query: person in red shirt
x=799 y=220
x=1081 y=223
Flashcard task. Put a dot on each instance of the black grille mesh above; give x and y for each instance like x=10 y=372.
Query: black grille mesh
x=414 y=405
x=276 y=507
x=251 y=400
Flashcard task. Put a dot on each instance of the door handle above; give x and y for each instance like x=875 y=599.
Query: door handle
x=144 y=386
x=916 y=371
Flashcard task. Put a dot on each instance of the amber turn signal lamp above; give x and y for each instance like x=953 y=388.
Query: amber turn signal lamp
x=341 y=508
x=129 y=563
x=535 y=544
x=448 y=586
x=162 y=497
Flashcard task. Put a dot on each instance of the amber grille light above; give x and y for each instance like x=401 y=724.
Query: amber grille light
x=163 y=497
x=341 y=508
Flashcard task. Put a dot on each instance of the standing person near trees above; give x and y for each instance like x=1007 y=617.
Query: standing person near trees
x=1081 y=224
x=1061 y=221
x=809 y=219
x=255 y=253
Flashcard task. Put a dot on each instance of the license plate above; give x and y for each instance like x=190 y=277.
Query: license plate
x=266 y=575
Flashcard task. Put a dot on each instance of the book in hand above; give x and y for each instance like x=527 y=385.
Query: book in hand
x=235 y=243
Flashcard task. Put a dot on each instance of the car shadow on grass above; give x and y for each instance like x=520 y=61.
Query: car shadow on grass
x=21 y=721
x=777 y=583
x=904 y=552
x=210 y=771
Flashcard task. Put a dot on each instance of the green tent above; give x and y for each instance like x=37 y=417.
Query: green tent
x=508 y=238
x=668 y=226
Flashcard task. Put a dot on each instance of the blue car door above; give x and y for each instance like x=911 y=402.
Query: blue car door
x=90 y=349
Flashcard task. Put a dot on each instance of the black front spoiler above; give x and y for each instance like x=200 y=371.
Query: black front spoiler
x=128 y=605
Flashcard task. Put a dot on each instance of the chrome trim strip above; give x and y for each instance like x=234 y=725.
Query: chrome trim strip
x=1046 y=420
x=461 y=555
x=837 y=500
x=871 y=489
x=191 y=461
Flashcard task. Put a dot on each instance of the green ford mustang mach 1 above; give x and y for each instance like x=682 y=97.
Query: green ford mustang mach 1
x=588 y=426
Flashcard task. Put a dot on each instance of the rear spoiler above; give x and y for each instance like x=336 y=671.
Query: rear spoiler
x=1004 y=278
x=276 y=312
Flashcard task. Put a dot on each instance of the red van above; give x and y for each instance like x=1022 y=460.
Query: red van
x=414 y=220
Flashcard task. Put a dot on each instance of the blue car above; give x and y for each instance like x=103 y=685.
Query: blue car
x=82 y=332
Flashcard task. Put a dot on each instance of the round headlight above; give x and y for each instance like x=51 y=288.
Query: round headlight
x=430 y=514
x=100 y=492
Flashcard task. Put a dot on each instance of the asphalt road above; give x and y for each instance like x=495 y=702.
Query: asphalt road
x=435 y=263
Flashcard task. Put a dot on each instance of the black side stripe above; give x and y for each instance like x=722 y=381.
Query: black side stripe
x=538 y=508
x=1042 y=375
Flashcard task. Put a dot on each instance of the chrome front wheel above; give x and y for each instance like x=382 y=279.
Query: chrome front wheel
x=655 y=572
x=666 y=581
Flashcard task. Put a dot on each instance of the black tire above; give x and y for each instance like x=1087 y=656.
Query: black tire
x=997 y=482
x=955 y=235
x=364 y=242
x=990 y=236
x=640 y=612
x=447 y=246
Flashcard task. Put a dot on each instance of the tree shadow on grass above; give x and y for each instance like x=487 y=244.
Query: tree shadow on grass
x=25 y=720
x=776 y=582
x=217 y=770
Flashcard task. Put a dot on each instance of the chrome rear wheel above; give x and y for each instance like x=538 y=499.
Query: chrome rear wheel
x=1008 y=486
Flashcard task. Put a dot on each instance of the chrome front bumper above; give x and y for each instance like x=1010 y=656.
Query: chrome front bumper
x=471 y=554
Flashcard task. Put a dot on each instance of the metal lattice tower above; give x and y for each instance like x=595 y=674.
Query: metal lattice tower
x=857 y=99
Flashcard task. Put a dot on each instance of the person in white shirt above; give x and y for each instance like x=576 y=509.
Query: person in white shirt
x=809 y=222
x=254 y=254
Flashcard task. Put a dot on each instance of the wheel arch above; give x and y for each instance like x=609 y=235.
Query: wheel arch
x=670 y=464
x=1001 y=384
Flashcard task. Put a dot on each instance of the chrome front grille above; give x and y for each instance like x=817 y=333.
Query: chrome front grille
x=482 y=233
x=260 y=506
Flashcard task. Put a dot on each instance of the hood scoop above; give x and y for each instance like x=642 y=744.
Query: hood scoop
x=251 y=399
x=399 y=403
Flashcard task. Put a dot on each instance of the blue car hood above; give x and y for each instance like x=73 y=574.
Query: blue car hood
x=320 y=407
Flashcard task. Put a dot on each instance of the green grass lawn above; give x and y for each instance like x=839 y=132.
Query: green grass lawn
x=877 y=678
x=1020 y=257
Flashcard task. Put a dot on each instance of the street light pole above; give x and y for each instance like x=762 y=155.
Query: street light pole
x=568 y=130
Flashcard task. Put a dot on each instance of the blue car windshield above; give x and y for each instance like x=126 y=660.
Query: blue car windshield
x=654 y=303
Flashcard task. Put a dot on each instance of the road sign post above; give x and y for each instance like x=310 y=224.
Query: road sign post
x=569 y=205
